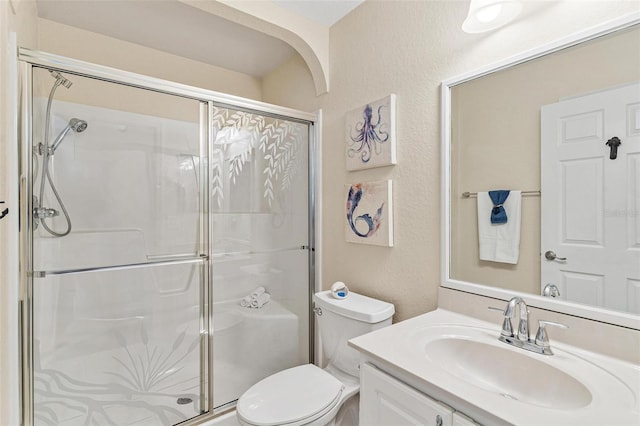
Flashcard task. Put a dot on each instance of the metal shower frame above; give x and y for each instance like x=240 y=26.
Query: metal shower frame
x=30 y=59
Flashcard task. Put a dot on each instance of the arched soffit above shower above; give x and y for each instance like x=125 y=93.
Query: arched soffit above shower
x=308 y=38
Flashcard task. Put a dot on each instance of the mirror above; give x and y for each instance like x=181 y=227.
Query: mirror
x=497 y=123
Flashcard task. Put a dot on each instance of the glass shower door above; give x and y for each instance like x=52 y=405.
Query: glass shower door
x=259 y=196
x=118 y=302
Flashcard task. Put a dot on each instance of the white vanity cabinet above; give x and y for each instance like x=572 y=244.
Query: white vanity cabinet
x=386 y=401
x=462 y=420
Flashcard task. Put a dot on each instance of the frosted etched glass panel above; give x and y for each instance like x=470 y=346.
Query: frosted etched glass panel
x=118 y=347
x=260 y=238
x=128 y=180
x=259 y=182
x=251 y=343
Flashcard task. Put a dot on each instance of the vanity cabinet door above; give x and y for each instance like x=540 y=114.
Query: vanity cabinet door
x=385 y=401
x=462 y=420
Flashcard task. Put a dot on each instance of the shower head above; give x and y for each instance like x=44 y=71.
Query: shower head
x=76 y=125
x=61 y=79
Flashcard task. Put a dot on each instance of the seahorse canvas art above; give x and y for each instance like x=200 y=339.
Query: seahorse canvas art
x=371 y=135
x=369 y=213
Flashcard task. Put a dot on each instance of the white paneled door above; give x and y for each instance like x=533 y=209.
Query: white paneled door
x=590 y=187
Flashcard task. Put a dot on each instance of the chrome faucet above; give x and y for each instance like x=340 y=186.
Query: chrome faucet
x=523 y=323
x=521 y=338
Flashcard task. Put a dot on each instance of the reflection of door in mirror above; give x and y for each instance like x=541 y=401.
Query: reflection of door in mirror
x=495 y=144
x=591 y=198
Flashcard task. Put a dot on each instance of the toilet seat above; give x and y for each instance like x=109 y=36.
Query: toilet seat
x=292 y=397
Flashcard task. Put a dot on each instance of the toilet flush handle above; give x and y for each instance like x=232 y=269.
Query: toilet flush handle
x=317 y=310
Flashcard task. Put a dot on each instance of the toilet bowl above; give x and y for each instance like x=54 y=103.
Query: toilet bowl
x=309 y=395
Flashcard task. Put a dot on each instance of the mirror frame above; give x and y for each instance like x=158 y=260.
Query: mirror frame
x=585 y=311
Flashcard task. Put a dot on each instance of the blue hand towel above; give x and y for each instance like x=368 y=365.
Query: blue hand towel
x=498 y=214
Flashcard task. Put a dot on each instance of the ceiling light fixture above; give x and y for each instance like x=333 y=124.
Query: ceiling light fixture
x=487 y=15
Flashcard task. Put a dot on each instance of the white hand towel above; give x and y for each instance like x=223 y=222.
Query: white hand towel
x=261 y=300
x=245 y=301
x=499 y=242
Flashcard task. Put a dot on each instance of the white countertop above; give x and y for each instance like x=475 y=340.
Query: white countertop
x=400 y=350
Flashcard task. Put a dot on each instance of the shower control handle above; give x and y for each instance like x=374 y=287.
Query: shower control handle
x=45 y=213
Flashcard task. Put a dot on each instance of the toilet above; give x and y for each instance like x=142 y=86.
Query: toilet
x=309 y=395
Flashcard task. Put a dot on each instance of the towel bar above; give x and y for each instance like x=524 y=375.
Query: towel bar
x=475 y=194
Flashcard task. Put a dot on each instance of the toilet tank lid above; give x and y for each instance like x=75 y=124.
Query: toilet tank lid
x=356 y=306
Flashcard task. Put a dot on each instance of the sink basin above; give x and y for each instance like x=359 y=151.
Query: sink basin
x=516 y=376
x=459 y=360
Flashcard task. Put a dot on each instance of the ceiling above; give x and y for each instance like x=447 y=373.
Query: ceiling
x=179 y=29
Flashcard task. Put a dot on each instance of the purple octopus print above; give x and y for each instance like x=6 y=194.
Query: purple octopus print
x=368 y=134
x=371 y=135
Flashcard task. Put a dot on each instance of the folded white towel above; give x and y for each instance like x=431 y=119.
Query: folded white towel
x=256 y=299
x=499 y=242
x=261 y=300
x=258 y=292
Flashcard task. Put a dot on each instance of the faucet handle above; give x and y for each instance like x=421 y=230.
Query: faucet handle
x=507 y=327
x=542 y=338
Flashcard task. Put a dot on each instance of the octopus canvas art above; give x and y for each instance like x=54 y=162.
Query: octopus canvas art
x=368 y=213
x=370 y=135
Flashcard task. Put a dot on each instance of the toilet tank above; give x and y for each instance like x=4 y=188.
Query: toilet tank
x=342 y=319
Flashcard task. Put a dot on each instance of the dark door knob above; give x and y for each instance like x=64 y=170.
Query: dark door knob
x=4 y=212
x=613 y=143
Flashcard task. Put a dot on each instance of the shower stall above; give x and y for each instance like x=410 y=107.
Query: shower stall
x=167 y=238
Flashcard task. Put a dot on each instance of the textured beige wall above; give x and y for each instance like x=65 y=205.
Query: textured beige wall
x=496 y=144
x=408 y=48
x=292 y=85
x=309 y=38
x=99 y=49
